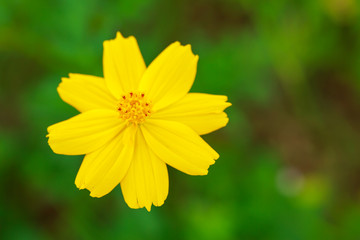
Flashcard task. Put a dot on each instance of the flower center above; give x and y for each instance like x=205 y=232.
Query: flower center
x=134 y=108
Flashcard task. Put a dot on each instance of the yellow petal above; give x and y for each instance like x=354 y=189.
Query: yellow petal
x=104 y=168
x=85 y=92
x=179 y=146
x=147 y=180
x=85 y=132
x=202 y=112
x=123 y=65
x=170 y=76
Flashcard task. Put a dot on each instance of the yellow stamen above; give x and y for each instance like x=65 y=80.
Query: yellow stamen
x=134 y=108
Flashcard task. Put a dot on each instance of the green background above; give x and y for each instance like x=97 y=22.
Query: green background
x=289 y=164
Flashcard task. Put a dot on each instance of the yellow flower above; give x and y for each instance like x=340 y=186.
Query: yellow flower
x=136 y=120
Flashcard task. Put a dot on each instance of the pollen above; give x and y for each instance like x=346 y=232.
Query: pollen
x=134 y=108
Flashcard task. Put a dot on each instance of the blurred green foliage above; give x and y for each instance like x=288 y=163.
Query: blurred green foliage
x=289 y=165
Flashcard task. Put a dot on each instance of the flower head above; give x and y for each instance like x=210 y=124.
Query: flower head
x=136 y=120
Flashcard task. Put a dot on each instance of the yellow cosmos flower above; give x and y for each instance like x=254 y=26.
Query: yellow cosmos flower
x=136 y=120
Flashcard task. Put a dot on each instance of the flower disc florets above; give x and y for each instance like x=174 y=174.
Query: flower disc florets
x=134 y=108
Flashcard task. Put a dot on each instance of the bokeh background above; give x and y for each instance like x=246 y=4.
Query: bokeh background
x=289 y=165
